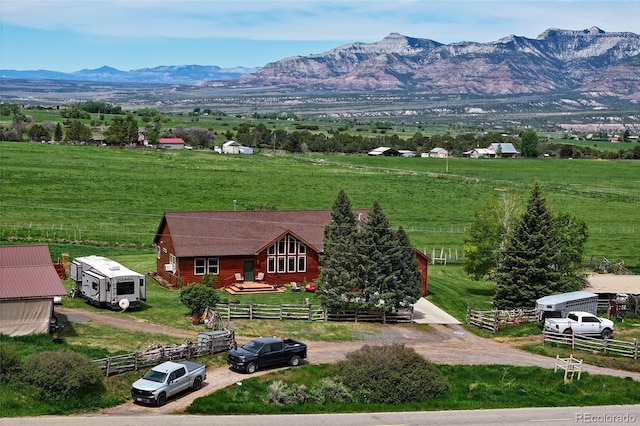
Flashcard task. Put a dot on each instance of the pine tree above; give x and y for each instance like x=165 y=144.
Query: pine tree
x=376 y=241
x=338 y=271
x=531 y=262
x=408 y=283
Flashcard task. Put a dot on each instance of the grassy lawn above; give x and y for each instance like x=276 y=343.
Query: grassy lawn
x=470 y=388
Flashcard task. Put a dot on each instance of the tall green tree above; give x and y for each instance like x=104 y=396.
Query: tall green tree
x=338 y=275
x=529 y=144
x=487 y=236
x=408 y=283
x=530 y=266
x=376 y=241
x=572 y=234
x=123 y=130
x=78 y=132
x=58 y=134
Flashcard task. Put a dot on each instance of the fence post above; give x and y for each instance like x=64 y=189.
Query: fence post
x=250 y=310
x=496 y=321
x=281 y=312
x=384 y=317
x=635 y=348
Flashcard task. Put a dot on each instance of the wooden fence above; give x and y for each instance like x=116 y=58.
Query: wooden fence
x=491 y=320
x=156 y=354
x=593 y=344
x=230 y=311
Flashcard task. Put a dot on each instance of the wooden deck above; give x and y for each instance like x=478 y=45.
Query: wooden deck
x=250 y=287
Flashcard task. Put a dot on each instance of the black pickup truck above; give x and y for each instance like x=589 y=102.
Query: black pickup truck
x=266 y=352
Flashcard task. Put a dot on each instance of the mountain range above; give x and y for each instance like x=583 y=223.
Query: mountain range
x=590 y=60
x=176 y=74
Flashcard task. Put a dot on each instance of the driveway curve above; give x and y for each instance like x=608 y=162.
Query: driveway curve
x=442 y=344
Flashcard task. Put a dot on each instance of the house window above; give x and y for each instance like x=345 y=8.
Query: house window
x=172 y=260
x=213 y=265
x=198 y=266
x=291 y=256
x=203 y=265
x=158 y=252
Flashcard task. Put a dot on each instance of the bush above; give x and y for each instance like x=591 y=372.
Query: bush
x=9 y=359
x=60 y=375
x=279 y=393
x=197 y=297
x=391 y=374
x=329 y=390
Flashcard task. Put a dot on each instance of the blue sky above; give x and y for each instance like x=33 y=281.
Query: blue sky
x=68 y=36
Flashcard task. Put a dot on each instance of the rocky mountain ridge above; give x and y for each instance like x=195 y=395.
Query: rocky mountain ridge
x=589 y=60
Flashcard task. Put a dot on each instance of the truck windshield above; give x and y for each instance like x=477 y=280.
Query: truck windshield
x=252 y=347
x=155 y=376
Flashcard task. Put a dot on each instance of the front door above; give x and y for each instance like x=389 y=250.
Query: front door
x=248 y=270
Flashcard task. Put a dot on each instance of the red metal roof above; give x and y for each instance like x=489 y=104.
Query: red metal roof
x=28 y=272
x=234 y=233
x=170 y=140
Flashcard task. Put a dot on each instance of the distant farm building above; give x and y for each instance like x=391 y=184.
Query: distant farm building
x=385 y=152
x=171 y=143
x=436 y=153
x=495 y=150
x=233 y=147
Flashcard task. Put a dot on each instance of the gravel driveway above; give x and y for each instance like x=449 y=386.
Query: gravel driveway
x=443 y=344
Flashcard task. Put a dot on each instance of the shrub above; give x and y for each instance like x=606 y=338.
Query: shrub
x=209 y=280
x=9 y=359
x=60 y=375
x=391 y=374
x=279 y=393
x=197 y=297
x=329 y=390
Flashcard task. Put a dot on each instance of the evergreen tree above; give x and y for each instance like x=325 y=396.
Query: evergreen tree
x=58 y=134
x=376 y=241
x=572 y=234
x=78 y=132
x=408 y=283
x=337 y=274
x=530 y=264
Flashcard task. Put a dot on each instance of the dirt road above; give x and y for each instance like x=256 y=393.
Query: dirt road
x=443 y=344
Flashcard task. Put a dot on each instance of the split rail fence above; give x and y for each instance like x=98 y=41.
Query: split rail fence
x=492 y=320
x=593 y=344
x=231 y=311
x=156 y=354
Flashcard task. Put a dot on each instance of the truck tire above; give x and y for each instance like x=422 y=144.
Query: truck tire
x=162 y=399
x=606 y=333
x=251 y=367
x=294 y=361
x=197 y=383
x=568 y=331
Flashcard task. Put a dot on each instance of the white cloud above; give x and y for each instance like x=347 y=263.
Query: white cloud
x=357 y=20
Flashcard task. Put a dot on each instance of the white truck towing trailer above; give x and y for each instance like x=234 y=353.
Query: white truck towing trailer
x=104 y=282
x=559 y=305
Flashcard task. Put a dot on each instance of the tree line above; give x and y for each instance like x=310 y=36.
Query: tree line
x=125 y=129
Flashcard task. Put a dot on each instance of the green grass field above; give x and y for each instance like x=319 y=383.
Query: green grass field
x=101 y=196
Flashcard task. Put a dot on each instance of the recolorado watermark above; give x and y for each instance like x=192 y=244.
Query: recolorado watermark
x=608 y=419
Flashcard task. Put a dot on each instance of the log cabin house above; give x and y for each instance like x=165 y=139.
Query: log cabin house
x=283 y=246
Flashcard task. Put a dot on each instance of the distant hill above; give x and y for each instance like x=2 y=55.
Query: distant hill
x=589 y=61
x=177 y=74
x=557 y=60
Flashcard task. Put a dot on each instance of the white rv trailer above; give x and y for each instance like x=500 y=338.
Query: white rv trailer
x=102 y=281
x=559 y=305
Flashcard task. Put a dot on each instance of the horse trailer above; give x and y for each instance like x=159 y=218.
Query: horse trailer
x=559 y=305
x=104 y=282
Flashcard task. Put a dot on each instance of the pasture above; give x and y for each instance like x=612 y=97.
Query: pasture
x=60 y=194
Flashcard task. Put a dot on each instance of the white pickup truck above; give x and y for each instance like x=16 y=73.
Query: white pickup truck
x=166 y=380
x=578 y=322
